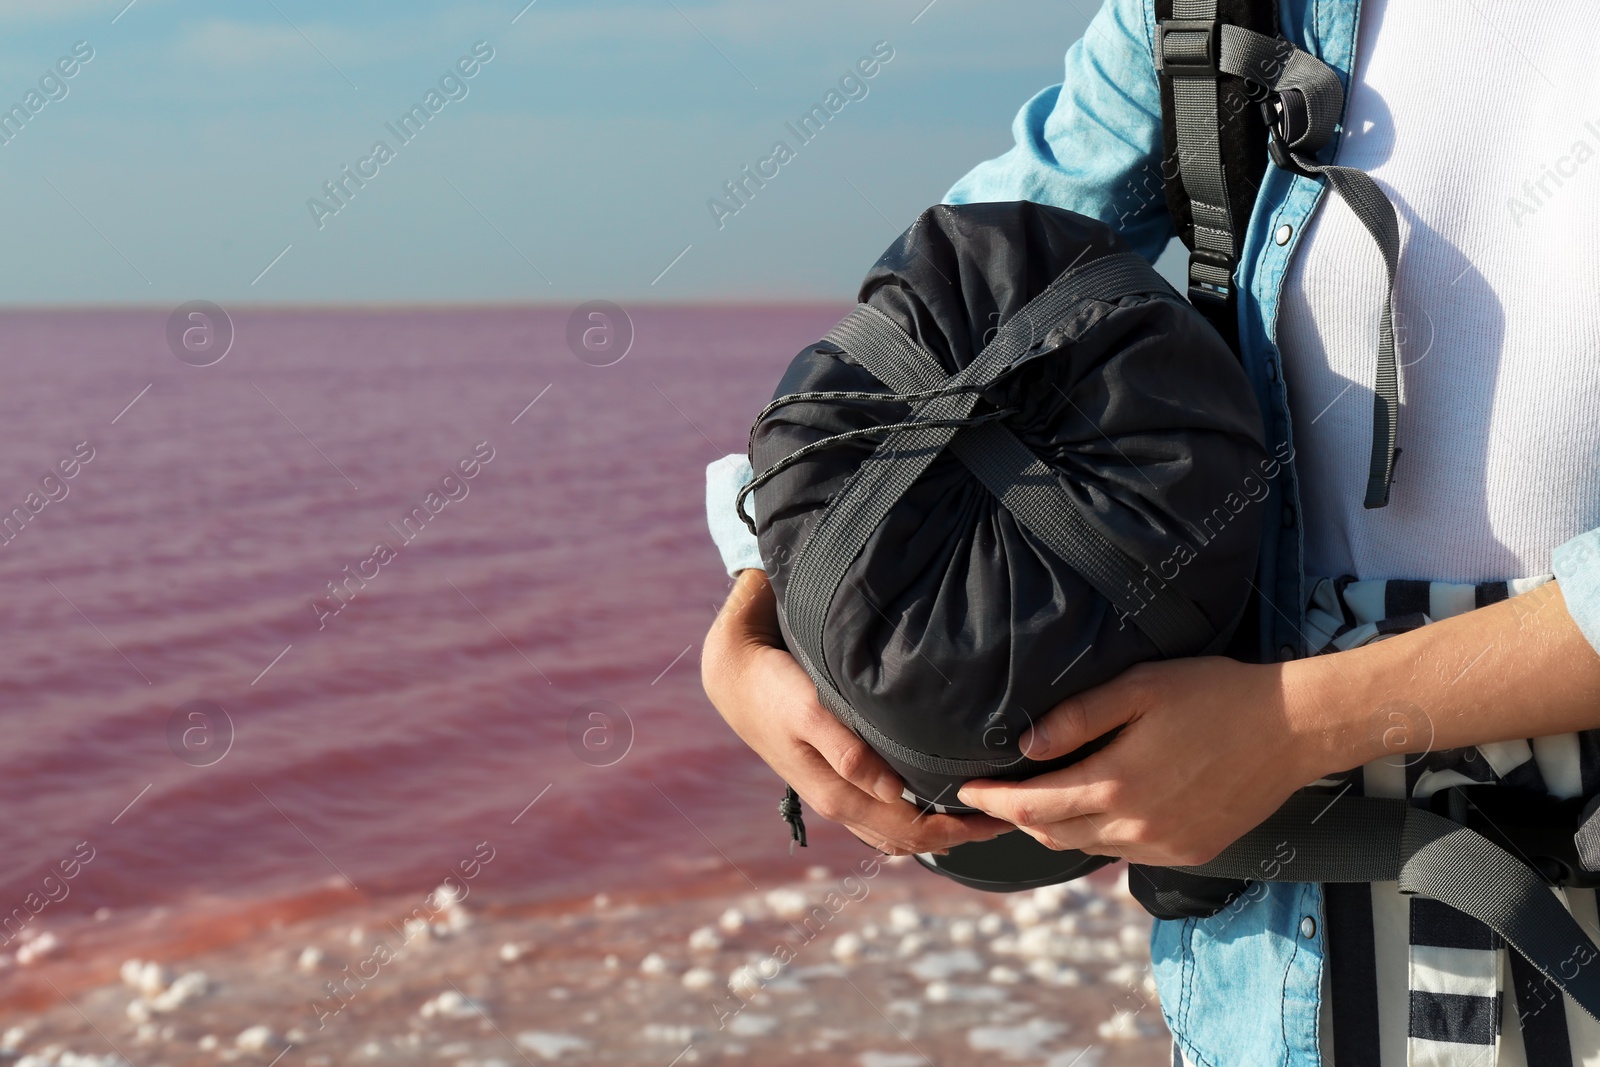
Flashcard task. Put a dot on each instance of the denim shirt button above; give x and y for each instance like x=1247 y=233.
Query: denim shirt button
x=1283 y=234
x=1285 y=654
x=1288 y=516
x=1308 y=927
x=1272 y=370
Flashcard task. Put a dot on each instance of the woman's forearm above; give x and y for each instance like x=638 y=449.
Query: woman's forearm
x=1519 y=668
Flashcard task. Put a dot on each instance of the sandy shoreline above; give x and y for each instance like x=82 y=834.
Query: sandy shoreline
x=881 y=966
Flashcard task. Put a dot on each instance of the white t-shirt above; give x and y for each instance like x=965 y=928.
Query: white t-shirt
x=1482 y=123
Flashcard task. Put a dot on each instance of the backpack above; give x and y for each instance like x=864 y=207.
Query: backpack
x=1215 y=58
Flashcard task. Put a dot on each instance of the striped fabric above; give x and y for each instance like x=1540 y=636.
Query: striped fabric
x=1411 y=981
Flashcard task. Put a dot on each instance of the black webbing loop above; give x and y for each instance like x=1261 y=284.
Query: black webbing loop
x=1314 y=838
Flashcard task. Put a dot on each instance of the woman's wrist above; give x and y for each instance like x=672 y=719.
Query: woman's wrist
x=1334 y=713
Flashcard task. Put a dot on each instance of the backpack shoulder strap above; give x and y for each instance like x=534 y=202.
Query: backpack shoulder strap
x=1214 y=142
x=1213 y=65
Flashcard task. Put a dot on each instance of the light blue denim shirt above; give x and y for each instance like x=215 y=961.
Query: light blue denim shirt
x=1244 y=986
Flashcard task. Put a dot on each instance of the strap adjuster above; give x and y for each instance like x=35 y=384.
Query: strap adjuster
x=1210 y=277
x=1286 y=125
x=1188 y=48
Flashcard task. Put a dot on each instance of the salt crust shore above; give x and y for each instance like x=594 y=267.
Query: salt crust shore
x=894 y=968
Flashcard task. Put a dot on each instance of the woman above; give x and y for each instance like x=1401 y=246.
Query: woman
x=1476 y=124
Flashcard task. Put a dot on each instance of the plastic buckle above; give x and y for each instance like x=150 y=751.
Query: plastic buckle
x=1188 y=65
x=1210 y=277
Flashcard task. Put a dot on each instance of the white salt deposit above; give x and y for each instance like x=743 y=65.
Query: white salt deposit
x=1123 y=1026
x=705 y=939
x=818 y=873
x=744 y=980
x=1075 y=1057
x=37 y=948
x=184 y=989
x=847 y=947
x=1135 y=939
x=257 y=1038
x=654 y=964
x=311 y=958
x=1125 y=974
x=672 y=1035
x=550 y=1046
x=1050 y=899
x=732 y=921
x=13 y=1038
x=903 y=918
x=1015 y=1042
x=152 y=979
x=746 y=1024
x=611 y=962
x=890 y=1059
x=786 y=903
x=54 y=1056
x=451 y=1005
x=963 y=931
x=991 y=924
x=911 y=944
x=953 y=993
x=209 y=1043
x=1002 y=975
x=699 y=978
x=1052 y=973
x=938 y=965
x=511 y=951
x=1025 y=913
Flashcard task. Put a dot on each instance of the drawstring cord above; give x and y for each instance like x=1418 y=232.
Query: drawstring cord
x=828 y=442
x=789 y=808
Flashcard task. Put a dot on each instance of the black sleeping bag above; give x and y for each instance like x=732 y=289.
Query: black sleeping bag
x=1046 y=475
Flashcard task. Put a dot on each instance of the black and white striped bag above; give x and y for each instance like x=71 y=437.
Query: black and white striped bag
x=1452 y=1008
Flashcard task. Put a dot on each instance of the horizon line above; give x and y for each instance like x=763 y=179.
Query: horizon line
x=436 y=305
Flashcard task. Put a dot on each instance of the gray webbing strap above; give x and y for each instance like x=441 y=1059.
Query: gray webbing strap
x=1031 y=491
x=851 y=517
x=1184 y=53
x=1311 y=99
x=1376 y=213
x=1371 y=839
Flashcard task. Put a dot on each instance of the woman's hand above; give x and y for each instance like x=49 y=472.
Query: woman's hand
x=1208 y=749
x=772 y=705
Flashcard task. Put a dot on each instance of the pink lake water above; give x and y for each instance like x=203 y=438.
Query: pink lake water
x=372 y=750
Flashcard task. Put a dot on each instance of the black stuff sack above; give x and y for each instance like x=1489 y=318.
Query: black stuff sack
x=1020 y=466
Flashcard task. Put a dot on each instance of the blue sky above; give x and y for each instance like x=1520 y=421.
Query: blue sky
x=578 y=165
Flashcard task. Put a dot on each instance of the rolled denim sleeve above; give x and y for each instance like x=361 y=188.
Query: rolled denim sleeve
x=1577 y=570
x=1093 y=143
x=724 y=479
